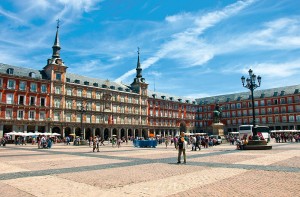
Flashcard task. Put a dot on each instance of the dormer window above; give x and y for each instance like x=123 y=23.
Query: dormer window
x=58 y=76
x=10 y=71
x=95 y=84
x=77 y=81
x=86 y=83
x=32 y=74
x=68 y=80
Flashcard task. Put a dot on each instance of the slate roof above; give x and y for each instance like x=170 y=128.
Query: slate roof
x=160 y=95
x=22 y=71
x=273 y=92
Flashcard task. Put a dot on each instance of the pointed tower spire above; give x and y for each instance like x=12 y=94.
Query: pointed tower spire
x=138 y=66
x=56 y=48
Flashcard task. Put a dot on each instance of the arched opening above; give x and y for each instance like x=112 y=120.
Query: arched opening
x=30 y=129
x=182 y=126
x=56 y=130
x=88 y=133
x=77 y=131
x=97 y=132
x=123 y=133
x=41 y=129
x=7 y=129
x=130 y=132
x=106 y=134
x=145 y=133
x=136 y=133
x=67 y=131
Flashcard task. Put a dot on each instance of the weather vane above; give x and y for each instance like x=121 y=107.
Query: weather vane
x=57 y=23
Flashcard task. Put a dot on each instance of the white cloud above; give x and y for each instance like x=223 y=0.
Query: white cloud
x=185 y=45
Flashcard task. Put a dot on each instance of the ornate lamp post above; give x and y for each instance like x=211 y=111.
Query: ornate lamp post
x=81 y=109
x=49 y=121
x=252 y=85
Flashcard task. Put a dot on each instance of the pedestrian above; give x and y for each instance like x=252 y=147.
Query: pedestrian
x=94 y=144
x=181 y=145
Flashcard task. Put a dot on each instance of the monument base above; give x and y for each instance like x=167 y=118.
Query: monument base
x=218 y=129
x=257 y=145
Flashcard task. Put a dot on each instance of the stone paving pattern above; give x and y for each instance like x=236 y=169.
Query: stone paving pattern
x=127 y=171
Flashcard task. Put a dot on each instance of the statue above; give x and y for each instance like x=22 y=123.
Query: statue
x=217 y=114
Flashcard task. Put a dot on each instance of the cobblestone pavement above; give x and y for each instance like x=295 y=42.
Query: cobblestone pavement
x=127 y=171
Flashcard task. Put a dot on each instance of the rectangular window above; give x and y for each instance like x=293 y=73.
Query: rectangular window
x=43 y=102
x=0 y=97
x=33 y=87
x=97 y=95
x=79 y=92
x=290 y=100
x=69 y=104
x=8 y=113
x=32 y=100
x=22 y=86
x=43 y=88
x=21 y=100
x=262 y=103
x=56 y=116
x=291 y=118
x=11 y=84
x=57 y=90
x=31 y=115
x=42 y=115
x=1 y=82
x=69 y=92
x=20 y=114
x=9 y=98
x=58 y=76
x=68 y=117
x=57 y=103
x=89 y=94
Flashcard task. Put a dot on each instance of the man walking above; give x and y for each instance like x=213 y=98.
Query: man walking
x=181 y=145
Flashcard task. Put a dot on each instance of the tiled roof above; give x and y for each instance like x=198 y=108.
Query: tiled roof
x=273 y=92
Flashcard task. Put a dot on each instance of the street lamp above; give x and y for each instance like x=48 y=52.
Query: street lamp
x=81 y=110
x=252 y=85
x=49 y=121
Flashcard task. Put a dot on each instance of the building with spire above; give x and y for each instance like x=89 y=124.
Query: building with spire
x=54 y=100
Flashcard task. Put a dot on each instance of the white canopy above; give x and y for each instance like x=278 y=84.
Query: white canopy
x=285 y=131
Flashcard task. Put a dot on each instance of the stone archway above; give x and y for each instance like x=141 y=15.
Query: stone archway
x=106 y=134
x=97 y=132
x=56 y=130
x=145 y=133
x=77 y=132
x=67 y=131
x=136 y=133
x=88 y=133
x=130 y=132
x=123 y=134
x=7 y=129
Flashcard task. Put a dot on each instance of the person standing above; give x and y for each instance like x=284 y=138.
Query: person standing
x=181 y=145
x=94 y=144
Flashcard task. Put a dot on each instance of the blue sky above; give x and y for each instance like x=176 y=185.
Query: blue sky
x=189 y=48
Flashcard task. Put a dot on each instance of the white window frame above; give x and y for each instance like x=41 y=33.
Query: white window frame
x=32 y=104
x=33 y=87
x=20 y=114
x=8 y=113
x=43 y=88
x=31 y=115
x=11 y=84
x=10 y=101
x=42 y=115
x=22 y=83
x=24 y=99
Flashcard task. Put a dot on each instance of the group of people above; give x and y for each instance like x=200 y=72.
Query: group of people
x=286 y=137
